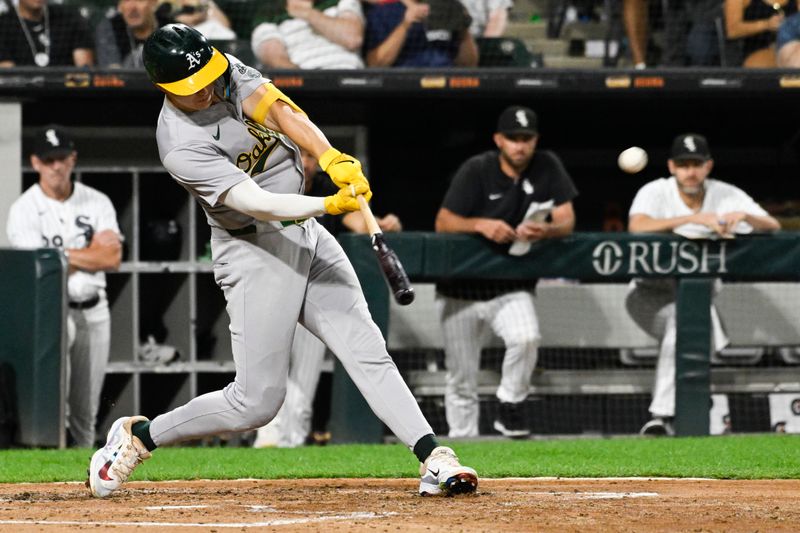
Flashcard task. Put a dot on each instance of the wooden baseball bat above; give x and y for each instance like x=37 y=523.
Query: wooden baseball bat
x=393 y=270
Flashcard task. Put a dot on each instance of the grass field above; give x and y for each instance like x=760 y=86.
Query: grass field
x=733 y=457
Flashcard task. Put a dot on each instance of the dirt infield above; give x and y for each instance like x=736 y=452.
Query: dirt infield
x=393 y=505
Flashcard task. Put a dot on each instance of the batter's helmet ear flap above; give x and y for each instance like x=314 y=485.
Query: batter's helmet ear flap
x=180 y=60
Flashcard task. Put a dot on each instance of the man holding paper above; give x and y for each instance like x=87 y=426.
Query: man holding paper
x=513 y=195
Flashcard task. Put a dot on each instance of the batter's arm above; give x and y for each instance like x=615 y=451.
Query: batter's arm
x=269 y=106
x=248 y=198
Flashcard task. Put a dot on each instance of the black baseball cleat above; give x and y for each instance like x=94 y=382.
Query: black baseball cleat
x=658 y=427
x=511 y=422
x=442 y=475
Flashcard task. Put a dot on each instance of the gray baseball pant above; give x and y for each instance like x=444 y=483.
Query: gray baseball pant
x=273 y=279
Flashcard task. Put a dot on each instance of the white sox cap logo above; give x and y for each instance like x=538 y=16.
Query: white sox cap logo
x=51 y=137
x=689 y=143
x=522 y=118
x=193 y=58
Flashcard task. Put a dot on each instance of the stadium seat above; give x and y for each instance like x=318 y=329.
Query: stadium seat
x=506 y=52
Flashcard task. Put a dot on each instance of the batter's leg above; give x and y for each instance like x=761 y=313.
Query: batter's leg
x=308 y=353
x=514 y=320
x=463 y=333
x=336 y=312
x=88 y=361
x=292 y=424
x=263 y=277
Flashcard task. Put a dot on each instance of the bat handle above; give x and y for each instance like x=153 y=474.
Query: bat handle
x=369 y=218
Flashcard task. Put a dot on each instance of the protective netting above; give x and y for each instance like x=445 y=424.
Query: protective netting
x=595 y=368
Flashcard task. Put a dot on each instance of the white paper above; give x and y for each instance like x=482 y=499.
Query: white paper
x=537 y=212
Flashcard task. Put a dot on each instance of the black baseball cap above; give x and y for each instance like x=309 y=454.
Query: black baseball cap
x=517 y=120
x=52 y=141
x=690 y=146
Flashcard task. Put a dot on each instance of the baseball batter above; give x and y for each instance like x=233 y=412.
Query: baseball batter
x=690 y=204
x=57 y=213
x=490 y=196
x=292 y=424
x=231 y=138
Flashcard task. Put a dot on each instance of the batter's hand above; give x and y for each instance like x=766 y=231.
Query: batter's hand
x=495 y=230
x=342 y=168
x=345 y=200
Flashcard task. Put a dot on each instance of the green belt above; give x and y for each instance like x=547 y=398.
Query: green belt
x=285 y=223
x=247 y=230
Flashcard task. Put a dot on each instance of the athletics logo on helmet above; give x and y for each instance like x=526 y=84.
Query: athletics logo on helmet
x=180 y=60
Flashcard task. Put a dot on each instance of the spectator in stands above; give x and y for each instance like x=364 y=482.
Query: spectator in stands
x=206 y=17
x=489 y=17
x=690 y=204
x=326 y=36
x=119 y=38
x=495 y=195
x=635 y=17
x=291 y=426
x=36 y=33
x=409 y=33
x=788 y=42
x=689 y=32
x=756 y=23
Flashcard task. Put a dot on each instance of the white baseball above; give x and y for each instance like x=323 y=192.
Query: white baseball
x=632 y=160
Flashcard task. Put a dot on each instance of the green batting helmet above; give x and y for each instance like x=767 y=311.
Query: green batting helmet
x=180 y=60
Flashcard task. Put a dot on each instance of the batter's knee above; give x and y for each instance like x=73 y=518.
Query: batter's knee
x=256 y=410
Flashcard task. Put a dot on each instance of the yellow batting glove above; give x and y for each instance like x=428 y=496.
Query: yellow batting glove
x=345 y=200
x=342 y=168
x=341 y=202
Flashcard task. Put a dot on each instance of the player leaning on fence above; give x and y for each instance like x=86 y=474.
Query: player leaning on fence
x=502 y=195
x=691 y=204
x=231 y=138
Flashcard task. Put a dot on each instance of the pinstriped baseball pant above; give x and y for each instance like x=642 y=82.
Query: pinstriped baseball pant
x=273 y=279
x=89 y=338
x=466 y=325
x=651 y=304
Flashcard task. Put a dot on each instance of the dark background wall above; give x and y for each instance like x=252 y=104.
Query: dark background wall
x=417 y=142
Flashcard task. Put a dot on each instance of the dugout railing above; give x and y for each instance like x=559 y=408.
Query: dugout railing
x=600 y=263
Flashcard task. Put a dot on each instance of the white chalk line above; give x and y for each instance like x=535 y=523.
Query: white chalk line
x=269 y=523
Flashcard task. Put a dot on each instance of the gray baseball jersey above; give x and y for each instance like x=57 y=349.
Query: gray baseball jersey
x=273 y=277
x=190 y=146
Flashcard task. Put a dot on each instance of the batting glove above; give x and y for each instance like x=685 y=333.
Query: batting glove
x=343 y=169
x=345 y=200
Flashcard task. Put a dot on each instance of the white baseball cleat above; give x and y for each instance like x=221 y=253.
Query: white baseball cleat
x=112 y=464
x=442 y=474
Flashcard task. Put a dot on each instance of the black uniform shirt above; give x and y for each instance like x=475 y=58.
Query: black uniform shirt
x=68 y=31
x=481 y=189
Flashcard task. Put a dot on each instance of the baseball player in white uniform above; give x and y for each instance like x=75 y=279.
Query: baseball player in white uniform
x=690 y=204
x=490 y=196
x=231 y=138
x=81 y=221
